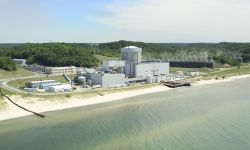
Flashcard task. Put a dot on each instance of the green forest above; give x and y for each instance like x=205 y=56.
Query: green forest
x=51 y=54
x=7 y=63
x=82 y=54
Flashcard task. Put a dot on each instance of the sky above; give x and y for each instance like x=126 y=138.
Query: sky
x=163 y=21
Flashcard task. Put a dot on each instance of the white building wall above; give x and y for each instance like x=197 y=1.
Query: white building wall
x=61 y=88
x=108 y=80
x=111 y=80
x=96 y=78
x=151 y=69
x=130 y=70
x=61 y=70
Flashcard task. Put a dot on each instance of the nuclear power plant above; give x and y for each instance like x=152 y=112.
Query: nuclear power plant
x=129 y=69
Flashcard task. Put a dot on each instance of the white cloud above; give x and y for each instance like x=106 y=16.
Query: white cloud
x=182 y=20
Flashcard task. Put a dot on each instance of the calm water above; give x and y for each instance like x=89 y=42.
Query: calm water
x=211 y=117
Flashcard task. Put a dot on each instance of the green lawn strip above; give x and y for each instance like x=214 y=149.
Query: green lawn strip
x=3 y=104
x=230 y=72
x=203 y=70
x=20 y=72
x=20 y=83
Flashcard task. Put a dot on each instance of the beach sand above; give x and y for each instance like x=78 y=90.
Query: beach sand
x=41 y=105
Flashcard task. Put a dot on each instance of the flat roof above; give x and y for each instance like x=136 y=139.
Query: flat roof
x=70 y=67
x=61 y=86
x=43 y=81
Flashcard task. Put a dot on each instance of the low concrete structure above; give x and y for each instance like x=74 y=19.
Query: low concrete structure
x=108 y=80
x=60 y=70
x=40 y=84
x=61 y=88
x=20 y=61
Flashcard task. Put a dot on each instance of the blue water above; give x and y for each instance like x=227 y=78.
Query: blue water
x=210 y=117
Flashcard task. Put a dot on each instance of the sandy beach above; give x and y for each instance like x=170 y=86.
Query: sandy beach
x=41 y=105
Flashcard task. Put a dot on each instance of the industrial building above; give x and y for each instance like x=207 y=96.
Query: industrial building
x=48 y=86
x=130 y=69
x=113 y=65
x=40 y=84
x=151 y=69
x=60 y=88
x=84 y=71
x=61 y=70
x=108 y=80
x=20 y=61
x=134 y=67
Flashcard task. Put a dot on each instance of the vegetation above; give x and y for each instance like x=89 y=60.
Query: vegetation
x=20 y=72
x=78 y=81
x=234 y=71
x=226 y=60
x=21 y=83
x=6 y=63
x=66 y=54
x=203 y=70
x=52 y=54
x=177 y=51
x=3 y=104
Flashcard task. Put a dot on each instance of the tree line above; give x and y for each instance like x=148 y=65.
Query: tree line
x=6 y=63
x=52 y=54
x=82 y=54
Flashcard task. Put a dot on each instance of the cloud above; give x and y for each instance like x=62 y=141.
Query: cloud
x=184 y=20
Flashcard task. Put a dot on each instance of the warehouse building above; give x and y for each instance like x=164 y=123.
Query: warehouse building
x=60 y=70
x=61 y=88
x=108 y=80
x=40 y=84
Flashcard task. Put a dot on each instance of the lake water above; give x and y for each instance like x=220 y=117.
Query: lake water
x=210 y=117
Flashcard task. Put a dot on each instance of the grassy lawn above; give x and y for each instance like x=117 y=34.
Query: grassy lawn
x=230 y=72
x=3 y=104
x=204 y=70
x=12 y=74
x=21 y=82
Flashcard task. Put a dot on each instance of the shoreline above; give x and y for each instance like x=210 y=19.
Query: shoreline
x=41 y=105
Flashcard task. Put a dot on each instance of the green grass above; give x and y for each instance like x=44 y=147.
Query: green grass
x=13 y=74
x=230 y=72
x=3 y=104
x=21 y=82
x=204 y=70
x=6 y=92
